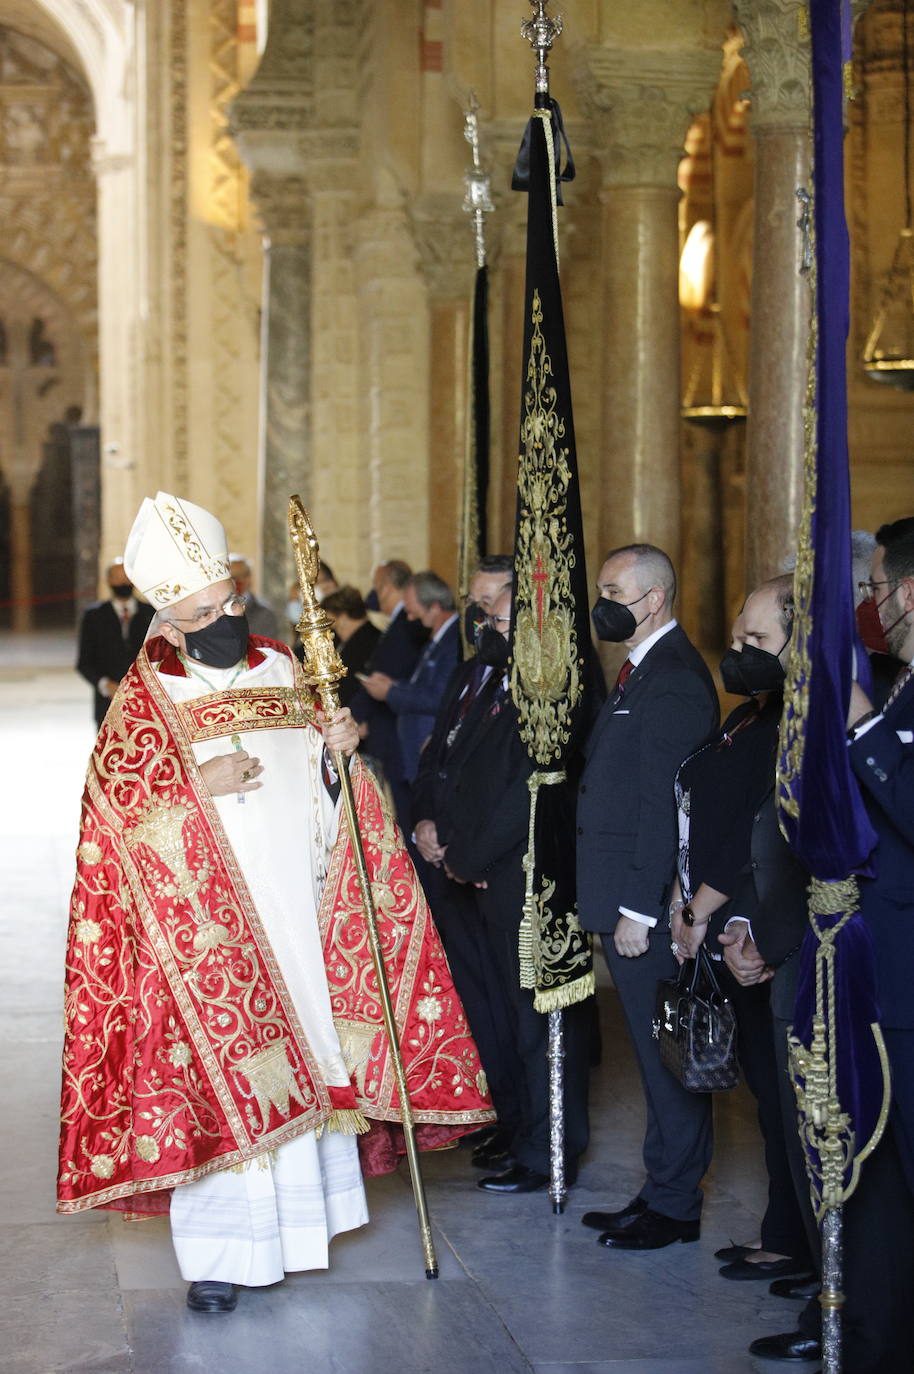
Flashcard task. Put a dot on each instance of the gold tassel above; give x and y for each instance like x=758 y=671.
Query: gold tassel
x=346 y=1121
x=555 y=999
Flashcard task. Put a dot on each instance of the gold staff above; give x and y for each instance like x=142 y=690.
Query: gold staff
x=323 y=671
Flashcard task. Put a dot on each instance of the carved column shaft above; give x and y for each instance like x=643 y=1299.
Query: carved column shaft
x=777 y=54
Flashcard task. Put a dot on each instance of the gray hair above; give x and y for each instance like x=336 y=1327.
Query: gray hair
x=431 y=589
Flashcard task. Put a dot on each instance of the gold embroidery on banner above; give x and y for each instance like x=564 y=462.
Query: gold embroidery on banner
x=545 y=673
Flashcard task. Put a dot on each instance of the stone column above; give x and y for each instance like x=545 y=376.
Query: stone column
x=444 y=237
x=270 y=122
x=777 y=55
x=642 y=105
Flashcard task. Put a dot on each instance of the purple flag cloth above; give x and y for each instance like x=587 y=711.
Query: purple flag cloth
x=821 y=807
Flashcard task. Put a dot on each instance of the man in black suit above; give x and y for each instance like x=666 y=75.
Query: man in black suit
x=110 y=637
x=414 y=700
x=877 y=1325
x=454 y=905
x=488 y=818
x=663 y=707
x=396 y=655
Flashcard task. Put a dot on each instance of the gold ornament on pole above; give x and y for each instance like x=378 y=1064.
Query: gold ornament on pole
x=323 y=671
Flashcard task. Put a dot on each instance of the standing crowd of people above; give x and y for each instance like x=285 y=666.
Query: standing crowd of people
x=678 y=844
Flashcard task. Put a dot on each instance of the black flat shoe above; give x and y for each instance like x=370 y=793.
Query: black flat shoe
x=790 y=1345
x=799 y=1290
x=209 y=1295
x=517 y=1179
x=615 y=1221
x=767 y=1269
x=651 y=1231
x=735 y=1252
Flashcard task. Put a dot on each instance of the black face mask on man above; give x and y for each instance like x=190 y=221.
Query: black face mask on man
x=124 y=590
x=753 y=671
x=614 y=621
x=492 y=648
x=221 y=644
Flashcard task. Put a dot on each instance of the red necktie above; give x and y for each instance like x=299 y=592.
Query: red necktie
x=625 y=673
x=125 y=621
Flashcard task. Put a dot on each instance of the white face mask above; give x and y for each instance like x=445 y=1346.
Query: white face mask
x=293 y=612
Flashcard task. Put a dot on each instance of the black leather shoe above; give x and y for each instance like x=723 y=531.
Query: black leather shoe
x=800 y=1290
x=517 y=1179
x=480 y=1137
x=791 y=1345
x=651 y=1231
x=735 y=1252
x=767 y=1269
x=209 y=1295
x=615 y=1221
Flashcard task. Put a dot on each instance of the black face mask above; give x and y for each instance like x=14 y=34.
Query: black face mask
x=474 y=618
x=492 y=648
x=220 y=645
x=753 y=671
x=614 y=621
x=123 y=590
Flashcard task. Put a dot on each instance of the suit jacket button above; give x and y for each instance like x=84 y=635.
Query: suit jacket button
x=580 y=830
x=871 y=763
x=881 y=775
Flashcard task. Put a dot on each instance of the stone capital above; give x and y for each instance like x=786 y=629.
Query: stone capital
x=270 y=118
x=776 y=51
x=641 y=103
x=282 y=205
x=443 y=234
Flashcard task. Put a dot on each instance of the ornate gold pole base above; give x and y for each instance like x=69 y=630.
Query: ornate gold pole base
x=323 y=671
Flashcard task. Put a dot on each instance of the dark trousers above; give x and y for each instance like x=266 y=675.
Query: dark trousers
x=455 y=912
x=524 y=1102
x=679 y=1136
x=783 y=1229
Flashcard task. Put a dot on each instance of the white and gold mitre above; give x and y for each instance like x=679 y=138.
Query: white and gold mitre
x=174 y=549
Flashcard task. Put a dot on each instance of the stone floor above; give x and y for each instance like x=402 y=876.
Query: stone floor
x=520 y=1289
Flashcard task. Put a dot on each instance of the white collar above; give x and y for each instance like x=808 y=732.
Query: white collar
x=641 y=650
x=443 y=629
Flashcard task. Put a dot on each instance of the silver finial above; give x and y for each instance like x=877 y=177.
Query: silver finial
x=541 y=32
x=478 y=200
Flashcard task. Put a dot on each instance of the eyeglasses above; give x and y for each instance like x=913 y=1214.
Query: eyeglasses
x=867 y=589
x=235 y=605
x=495 y=621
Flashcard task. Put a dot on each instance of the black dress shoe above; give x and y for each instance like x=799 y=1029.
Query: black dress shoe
x=651 y=1231
x=209 y=1295
x=767 y=1269
x=615 y=1221
x=735 y=1252
x=791 y=1345
x=800 y=1290
x=517 y=1179
x=480 y=1137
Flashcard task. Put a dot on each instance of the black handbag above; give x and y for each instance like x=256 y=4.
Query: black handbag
x=695 y=1028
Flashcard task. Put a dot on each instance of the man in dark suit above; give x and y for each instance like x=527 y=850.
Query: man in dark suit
x=454 y=905
x=396 y=655
x=488 y=819
x=663 y=707
x=110 y=637
x=260 y=615
x=878 y=1317
x=429 y=602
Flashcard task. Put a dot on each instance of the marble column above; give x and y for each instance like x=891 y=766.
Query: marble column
x=271 y=121
x=777 y=55
x=642 y=110
x=444 y=238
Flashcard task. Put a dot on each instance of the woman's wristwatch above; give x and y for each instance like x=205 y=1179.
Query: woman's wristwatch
x=688 y=915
